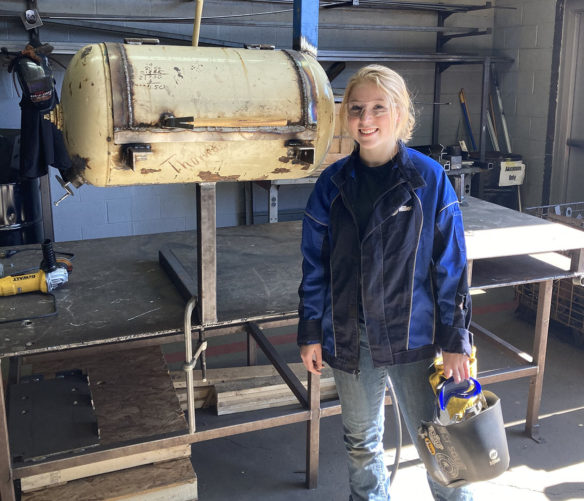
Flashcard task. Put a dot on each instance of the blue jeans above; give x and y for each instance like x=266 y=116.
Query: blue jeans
x=363 y=413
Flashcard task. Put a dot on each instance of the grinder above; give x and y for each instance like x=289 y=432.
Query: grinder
x=53 y=273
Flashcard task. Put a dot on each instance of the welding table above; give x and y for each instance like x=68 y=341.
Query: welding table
x=118 y=293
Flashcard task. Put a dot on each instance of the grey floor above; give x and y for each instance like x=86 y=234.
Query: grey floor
x=270 y=464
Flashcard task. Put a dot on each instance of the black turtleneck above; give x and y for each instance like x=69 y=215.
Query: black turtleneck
x=371 y=182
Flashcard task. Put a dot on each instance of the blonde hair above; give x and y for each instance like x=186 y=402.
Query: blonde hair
x=394 y=86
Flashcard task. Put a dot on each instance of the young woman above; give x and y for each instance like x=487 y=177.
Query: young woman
x=384 y=281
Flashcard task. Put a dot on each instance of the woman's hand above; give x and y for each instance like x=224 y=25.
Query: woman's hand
x=456 y=365
x=311 y=355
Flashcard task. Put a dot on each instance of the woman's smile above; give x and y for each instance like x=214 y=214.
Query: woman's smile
x=372 y=123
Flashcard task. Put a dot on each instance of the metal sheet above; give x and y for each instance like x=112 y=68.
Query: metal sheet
x=51 y=416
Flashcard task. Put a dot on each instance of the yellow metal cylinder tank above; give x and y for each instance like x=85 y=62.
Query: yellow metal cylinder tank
x=149 y=114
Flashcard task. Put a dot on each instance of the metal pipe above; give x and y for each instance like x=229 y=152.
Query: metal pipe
x=197 y=23
x=188 y=366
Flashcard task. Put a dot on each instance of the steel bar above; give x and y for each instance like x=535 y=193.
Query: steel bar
x=469 y=32
x=381 y=4
x=252 y=350
x=6 y=484
x=484 y=109
x=131 y=344
x=501 y=111
x=206 y=251
x=466 y=116
x=500 y=375
x=313 y=431
x=48 y=231
x=332 y=410
x=542 y=322
x=273 y=203
x=492 y=133
x=343 y=55
x=26 y=470
x=516 y=353
x=438 y=68
x=175 y=38
x=279 y=363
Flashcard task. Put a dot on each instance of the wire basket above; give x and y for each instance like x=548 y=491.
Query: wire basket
x=573 y=210
x=567 y=306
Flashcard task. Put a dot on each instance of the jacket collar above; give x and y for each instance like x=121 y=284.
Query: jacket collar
x=407 y=171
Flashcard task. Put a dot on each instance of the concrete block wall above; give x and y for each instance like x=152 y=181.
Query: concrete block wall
x=103 y=212
x=524 y=30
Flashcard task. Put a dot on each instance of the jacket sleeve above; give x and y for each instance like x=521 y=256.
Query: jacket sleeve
x=315 y=266
x=450 y=275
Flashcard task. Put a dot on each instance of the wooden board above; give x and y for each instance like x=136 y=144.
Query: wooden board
x=223 y=375
x=132 y=392
x=171 y=480
x=36 y=482
x=232 y=379
x=229 y=402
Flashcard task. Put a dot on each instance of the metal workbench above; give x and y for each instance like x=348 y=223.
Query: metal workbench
x=118 y=293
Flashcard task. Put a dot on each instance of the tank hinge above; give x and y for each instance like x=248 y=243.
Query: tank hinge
x=300 y=150
x=136 y=152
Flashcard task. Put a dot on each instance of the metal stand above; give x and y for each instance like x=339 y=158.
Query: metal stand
x=205 y=296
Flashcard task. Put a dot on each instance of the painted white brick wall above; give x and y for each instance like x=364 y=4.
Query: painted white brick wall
x=526 y=34
x=104 y=212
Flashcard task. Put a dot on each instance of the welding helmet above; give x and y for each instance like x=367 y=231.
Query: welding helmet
x=471 y=447
x=35 y=77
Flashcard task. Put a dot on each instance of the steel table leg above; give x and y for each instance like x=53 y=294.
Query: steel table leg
x=313 y=431
x=252 y=350
x=539 y=351
x=6 y=484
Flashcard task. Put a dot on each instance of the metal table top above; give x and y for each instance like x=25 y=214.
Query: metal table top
x=118 y=291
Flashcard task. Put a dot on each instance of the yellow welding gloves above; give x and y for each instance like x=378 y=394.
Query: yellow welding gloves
x=456 y=407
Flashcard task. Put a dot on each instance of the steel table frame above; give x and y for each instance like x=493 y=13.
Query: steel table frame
x=311 y=410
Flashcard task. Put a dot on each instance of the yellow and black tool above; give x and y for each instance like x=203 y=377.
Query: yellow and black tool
x=465 y=441
x=52 y=273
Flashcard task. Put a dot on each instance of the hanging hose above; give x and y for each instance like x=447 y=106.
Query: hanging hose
x=398 y=431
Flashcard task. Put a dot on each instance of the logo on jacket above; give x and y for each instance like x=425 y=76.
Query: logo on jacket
x=403 y=208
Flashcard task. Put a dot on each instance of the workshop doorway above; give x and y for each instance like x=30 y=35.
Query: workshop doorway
x=567 y=180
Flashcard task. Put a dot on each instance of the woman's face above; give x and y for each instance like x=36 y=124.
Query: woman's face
x=371 y=122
